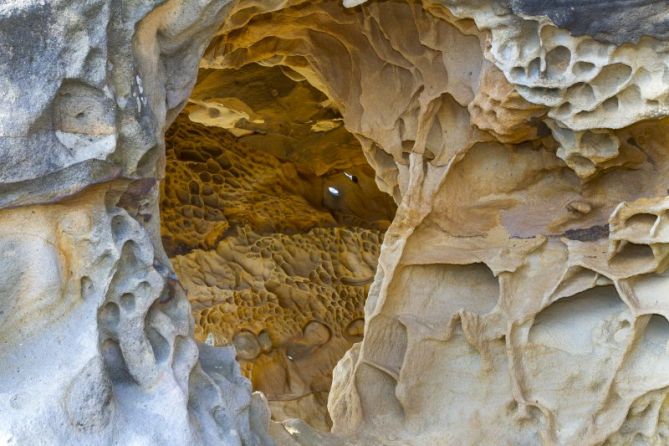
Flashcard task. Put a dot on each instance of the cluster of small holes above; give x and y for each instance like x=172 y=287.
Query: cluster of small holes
x=283 y=282
x=277 y=275
x=213 y=183
x=588 y=84
x=261 y=293
x=140 y=319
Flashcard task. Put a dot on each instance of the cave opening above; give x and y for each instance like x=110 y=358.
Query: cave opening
x=273 y=222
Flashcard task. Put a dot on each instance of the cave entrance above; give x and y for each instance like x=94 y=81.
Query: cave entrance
x=273 y=222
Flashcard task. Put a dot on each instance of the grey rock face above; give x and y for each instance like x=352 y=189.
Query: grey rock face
x=618 y=22
x=95 y=333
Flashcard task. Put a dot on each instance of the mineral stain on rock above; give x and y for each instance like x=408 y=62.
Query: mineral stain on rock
x=588 y=234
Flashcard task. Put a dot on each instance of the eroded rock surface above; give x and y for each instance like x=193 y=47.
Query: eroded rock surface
x=273 y=262
x=512 y=303
x=215 y=183
x=519 y=296
x=96 y=338
x=292 y=305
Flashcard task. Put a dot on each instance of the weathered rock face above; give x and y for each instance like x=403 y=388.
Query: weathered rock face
x=519 y=295
x=96 y=338
x=214 y=183
x=273 y=263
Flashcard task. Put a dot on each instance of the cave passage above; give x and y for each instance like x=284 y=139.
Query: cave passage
x=273 y=222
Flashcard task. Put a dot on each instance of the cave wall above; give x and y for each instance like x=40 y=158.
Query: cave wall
x=96 y=340
x=519 y=291
x=272 y=262
x=512 y=302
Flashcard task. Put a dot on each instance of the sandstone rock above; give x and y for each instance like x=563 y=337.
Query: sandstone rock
x=519 y=291
x=274 y=262
x=214 y=183
x=95 y=339
x=286 y=302
x=506 y=304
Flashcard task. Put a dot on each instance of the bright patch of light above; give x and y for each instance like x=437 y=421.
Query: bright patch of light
x=349 y=176
x=292 y=430
x=334 y=191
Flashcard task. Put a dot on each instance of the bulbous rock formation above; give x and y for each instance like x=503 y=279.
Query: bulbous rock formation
x=519 y=293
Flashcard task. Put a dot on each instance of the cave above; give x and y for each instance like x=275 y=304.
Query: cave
x=334 y=222
x=272 y=220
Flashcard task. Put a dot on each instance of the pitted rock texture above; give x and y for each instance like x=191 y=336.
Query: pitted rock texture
x=273 y=263
x=519 y=296
x=290 y=304
x=96 y=337
x=513 y=297
x=215 y=183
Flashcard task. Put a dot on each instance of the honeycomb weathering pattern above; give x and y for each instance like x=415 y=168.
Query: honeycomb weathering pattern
x=520 y=289
x=290 y=304
x=96 y=338
x=272 y=263
x=507 y=307
x=214 y=183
